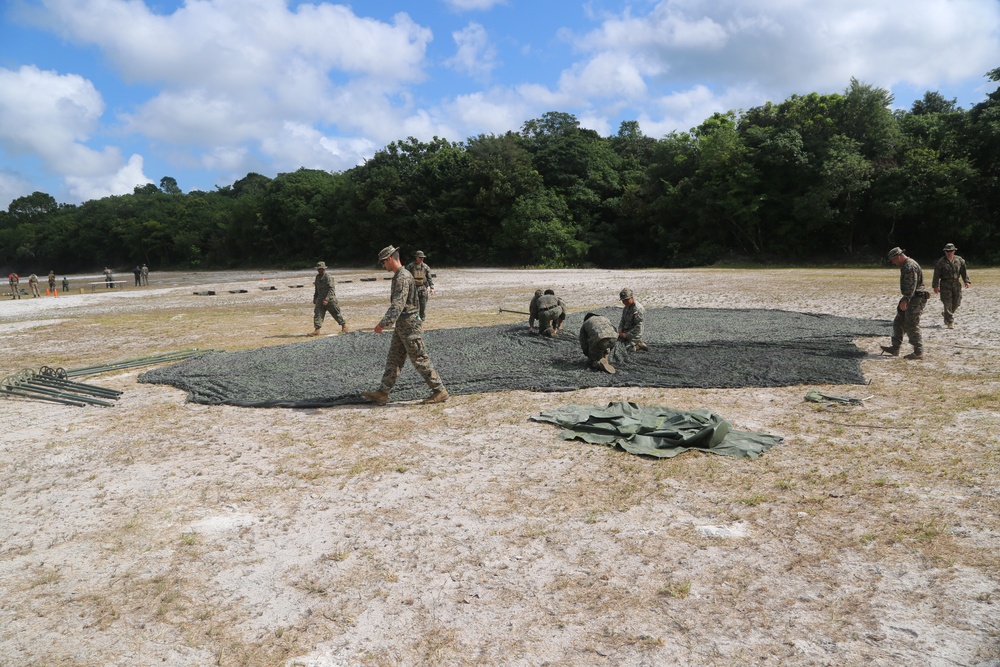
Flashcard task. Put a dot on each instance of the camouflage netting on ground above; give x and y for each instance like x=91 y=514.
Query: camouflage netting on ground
x=689 y=347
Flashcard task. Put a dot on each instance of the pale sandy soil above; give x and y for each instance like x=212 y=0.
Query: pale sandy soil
x=158 y=532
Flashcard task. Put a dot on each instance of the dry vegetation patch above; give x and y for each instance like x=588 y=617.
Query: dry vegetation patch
x=161 y=532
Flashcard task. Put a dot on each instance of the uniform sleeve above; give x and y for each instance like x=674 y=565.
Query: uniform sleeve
x=965 y=273
x=427 y=277
x=936 y=280
x=400 y=288
x=908 y=281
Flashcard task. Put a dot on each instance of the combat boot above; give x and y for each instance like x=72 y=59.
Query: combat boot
x=641 y=346
x=950 y=325
x=439 y=396
x=313 y=333
x=344 y=328
x=378 y=396
x=892 y=350
x=605 y=365
x=915 y=355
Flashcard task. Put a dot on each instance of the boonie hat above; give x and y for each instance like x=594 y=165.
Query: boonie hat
x=386 y=253
x=625 y=293
x=950 y=248
x=896 y=252
x=320 y=265
x=420 y=253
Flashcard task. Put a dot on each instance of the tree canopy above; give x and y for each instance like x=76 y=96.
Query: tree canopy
x=835 y=177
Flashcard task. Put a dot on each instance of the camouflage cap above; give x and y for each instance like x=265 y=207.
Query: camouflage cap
x=896 y=252
x=420 y=253
x=386 y=253
x=625 y=293
x=320 y=265
x=950 y=248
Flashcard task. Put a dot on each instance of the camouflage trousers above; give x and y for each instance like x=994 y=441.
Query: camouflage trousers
x=15 y=291
x=951 y=298
x=408 y=341
x=551 y=319
x=908 y=322
x=599 y=349
x=320 y=311
x=422 y=294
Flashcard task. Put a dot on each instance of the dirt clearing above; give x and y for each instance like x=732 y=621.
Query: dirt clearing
x=163 y=532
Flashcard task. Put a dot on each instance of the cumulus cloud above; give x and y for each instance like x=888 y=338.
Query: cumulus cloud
x=468 y=5
x=789 y=47
x=97 y=186
x=51 y=116
x=475 y=55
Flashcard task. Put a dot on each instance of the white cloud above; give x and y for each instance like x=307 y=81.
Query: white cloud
x=789 y=46
x=468 y=5
x=475 y=55
x=97 y=186
x=12 y=186
x=50 y=115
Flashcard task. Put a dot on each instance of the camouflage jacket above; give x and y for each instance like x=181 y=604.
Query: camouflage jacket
x=631 y=323
x=911 y=278
x=324 y=290
x=421 y=274
x=953 y=270
x=594 y=330
x=403 y=302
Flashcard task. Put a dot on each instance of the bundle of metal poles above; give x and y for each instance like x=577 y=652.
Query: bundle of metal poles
x=54 y=385
x=131 y=363
x=45 y=385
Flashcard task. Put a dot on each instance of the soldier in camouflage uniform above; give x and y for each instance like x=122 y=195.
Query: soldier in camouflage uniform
x=950 y=275
x=15 y=285
x=630 y=327
x=325 y=300
x=914 y=296
x=407 y=336
x=597 y=337
x=33 y=284
x=422 y=278
x=550 y=311
x=52 y=282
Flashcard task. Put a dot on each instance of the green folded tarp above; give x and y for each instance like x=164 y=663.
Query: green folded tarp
x=656 y=431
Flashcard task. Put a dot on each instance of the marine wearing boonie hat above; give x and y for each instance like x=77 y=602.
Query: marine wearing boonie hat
x=896 y=252
x=625 y=294
x=320 y=265
x=950 y=248
x=386 y=253
x=420 y=253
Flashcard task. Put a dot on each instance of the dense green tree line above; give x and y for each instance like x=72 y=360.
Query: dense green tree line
x=815 y=178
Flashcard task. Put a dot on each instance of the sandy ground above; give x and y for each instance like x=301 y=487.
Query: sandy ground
x=158 y=532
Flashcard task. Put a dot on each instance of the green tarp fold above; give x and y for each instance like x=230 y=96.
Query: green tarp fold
x=656 y=431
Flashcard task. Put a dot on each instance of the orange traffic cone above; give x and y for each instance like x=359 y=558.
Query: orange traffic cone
x=56 y=292
x=47 y=293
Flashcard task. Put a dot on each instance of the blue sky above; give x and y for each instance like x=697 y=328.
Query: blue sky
x=98 y=96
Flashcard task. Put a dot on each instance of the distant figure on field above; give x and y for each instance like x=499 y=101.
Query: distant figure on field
x=950 y=276
x=325 y=301
x=597 y=337
x=137 y=273
x=407 y=335
x=65 y=285
x=630 y=327
x=145 y=275
x=52 y=282
x=15 y=285
x=422 y=279
x=909 y=307
x=549 y=310
x=108 y=278
x=33 y=283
